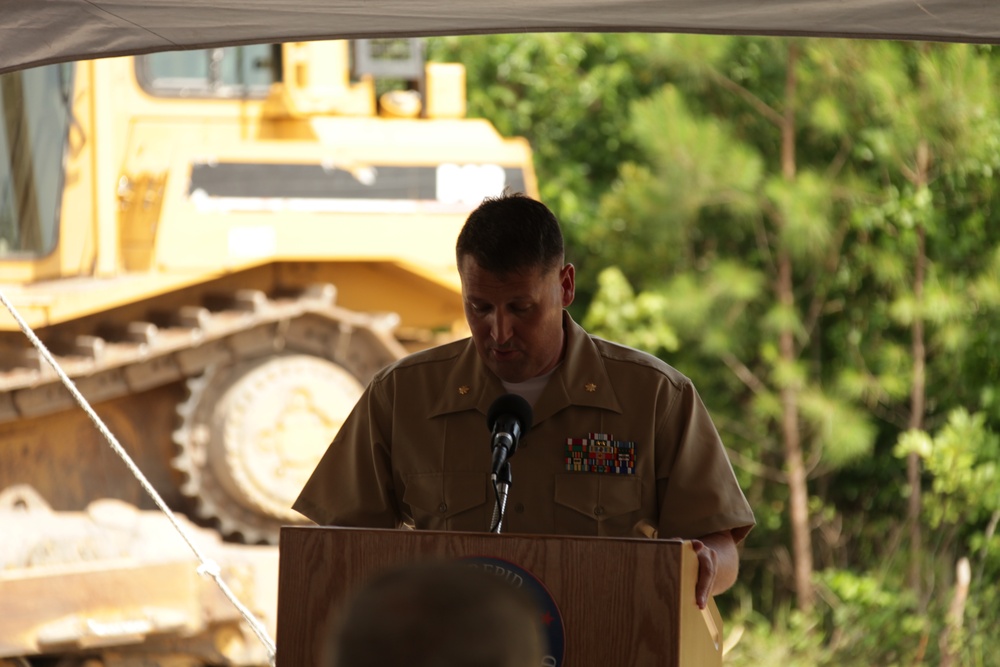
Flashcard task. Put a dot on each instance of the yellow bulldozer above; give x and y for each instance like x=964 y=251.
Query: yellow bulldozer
x=219 y=247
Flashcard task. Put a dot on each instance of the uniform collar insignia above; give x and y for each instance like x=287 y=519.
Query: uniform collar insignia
x=580 y=379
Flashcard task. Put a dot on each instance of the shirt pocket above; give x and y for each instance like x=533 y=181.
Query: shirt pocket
x=448 y=501
x=594 y=504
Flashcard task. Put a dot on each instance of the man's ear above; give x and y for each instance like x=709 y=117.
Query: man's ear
x=567 y=282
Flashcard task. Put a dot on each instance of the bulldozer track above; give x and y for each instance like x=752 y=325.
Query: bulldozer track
x=229 y=328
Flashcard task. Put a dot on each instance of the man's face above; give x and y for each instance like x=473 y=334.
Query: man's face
x=516 y=318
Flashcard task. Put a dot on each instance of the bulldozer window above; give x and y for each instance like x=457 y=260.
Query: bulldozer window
x=231 y=72
x=34 y=126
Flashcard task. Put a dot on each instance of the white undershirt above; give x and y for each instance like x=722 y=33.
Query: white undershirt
x=531 y=389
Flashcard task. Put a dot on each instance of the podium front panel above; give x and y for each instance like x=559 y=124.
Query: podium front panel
x=622 y=602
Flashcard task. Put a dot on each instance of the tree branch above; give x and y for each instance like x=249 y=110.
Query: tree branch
x=816 y=308
x=758 y=104
x=745 y=375
x=840 y=158
x=756 y=468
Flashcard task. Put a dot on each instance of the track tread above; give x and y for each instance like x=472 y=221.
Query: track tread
x=243 y=325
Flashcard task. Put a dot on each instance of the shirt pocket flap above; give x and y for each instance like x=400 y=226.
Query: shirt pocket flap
x=445 y=494
x=599 y=496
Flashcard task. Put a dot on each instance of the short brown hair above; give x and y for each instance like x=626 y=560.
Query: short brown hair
x=510 y=233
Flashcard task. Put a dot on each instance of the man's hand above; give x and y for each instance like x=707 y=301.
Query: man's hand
x=718 y=565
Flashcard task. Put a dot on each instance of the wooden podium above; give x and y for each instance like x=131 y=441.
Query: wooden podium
x=620 y=601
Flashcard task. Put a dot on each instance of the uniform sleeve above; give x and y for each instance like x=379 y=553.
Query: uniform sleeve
x=352 y=484
x=697 y=489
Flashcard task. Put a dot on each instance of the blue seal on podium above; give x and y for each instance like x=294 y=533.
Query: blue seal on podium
x=520 y=578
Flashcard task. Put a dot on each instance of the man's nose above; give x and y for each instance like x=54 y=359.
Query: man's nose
x=502 y=331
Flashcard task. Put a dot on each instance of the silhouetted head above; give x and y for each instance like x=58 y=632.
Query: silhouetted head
x=446 y=614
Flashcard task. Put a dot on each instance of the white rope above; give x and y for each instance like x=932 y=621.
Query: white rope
x=208 y=567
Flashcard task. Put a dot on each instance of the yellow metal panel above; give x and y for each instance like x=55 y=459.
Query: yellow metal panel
x=445 y=90
x=43 y=304
x=418 y=296
x=105 y=170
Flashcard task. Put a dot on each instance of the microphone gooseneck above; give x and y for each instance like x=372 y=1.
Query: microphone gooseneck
x=508 y=418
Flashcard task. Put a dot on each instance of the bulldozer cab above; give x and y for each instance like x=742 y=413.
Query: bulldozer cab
x=36 y=119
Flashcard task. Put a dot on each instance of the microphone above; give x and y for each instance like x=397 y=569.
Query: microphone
x=508 y=418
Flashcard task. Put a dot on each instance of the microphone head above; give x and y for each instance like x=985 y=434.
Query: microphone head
x=510 y=405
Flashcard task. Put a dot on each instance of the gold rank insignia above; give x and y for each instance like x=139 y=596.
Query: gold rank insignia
x=590 y=386
x=464 y=389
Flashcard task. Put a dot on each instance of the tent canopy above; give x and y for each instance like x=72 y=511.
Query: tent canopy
x=36 y=32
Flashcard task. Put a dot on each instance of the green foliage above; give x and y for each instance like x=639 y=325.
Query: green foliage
x=963 y=504
x=689 y=165
x=711 y=305
x=787 y=638
x=617 y=313
x=962 y=460
x=985 y=290
x=871 y=623
x=781 y=317
x=842 y=431
x=700 y=162
x=804 y=208
x=568 y=94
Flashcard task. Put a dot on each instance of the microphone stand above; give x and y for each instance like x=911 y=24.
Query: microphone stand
x=501 y=487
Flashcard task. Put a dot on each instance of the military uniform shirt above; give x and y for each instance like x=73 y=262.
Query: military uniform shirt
x=415 y=450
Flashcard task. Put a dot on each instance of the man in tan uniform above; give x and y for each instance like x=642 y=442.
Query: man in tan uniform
x=619 y=438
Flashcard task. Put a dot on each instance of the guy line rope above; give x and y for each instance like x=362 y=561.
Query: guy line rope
x=207 y=566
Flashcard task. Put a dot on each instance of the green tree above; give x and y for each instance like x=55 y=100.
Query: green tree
x=740 y=234
x=569 y=95
x=932 y=107
x=963 y=505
